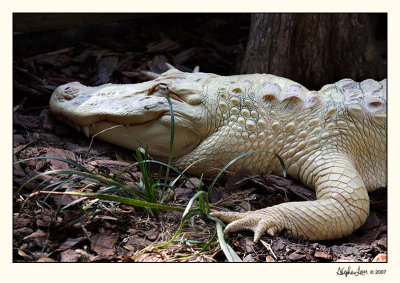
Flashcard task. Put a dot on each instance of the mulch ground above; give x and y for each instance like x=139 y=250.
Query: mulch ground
x=98 y=231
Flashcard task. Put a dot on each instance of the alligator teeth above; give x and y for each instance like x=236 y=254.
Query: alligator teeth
x=86 y=131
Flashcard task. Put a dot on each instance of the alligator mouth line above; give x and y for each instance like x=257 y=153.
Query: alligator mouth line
x=86 y=127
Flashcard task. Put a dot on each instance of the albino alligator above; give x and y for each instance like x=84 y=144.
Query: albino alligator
x=333 y=140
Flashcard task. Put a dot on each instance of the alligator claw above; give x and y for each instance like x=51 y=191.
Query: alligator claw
x=256 y=222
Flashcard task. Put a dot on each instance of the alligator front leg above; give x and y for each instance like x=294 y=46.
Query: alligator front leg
x=341 y=207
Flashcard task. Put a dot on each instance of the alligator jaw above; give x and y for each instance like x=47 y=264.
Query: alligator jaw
x=127 y=115
x=84 y=106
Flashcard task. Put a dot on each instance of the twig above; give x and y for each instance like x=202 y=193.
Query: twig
x=268 y=246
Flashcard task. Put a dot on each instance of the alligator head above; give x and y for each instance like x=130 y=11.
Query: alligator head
x=133 y=115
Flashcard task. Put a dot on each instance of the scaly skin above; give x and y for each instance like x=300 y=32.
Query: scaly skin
x=333 y=141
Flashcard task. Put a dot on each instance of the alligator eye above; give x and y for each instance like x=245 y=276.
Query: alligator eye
x=162 y=88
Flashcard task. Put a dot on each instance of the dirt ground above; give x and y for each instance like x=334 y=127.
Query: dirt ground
x=103 y=231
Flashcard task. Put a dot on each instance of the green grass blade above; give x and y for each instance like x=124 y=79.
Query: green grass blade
x=59 y=171
x=165 y=190
x=171 y=167
x=56 y=186
x=190 y=203
x=187 y=168
x=73 y=203
x=183 y=221
x=124 y=200
x=70 y=162
x=209 y=243
x=83 y=217
x=66 y=190
x=228 y=251
x=44 y=181
x=90 y=176
x=201 y=197
x=284 y=172
x=171 y=144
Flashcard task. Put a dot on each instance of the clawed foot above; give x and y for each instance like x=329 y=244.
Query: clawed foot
x=255 y=221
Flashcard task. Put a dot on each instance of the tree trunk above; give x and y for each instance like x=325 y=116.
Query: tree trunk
x=313 y=49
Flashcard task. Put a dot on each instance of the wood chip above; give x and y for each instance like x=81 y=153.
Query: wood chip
x=23 y=254
x=296 y=256
x=268 y=246
x=70 y=256
x=380 y=258
x=270 y=259
x=162 y=46
x=322 y=255
x=37 y=234
x=69 y=243
x=106 y=68
x=104 y=243
x=25 y=121
x=62 y=153
x=149 y=258
x=46 y=259
x=129 y=247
